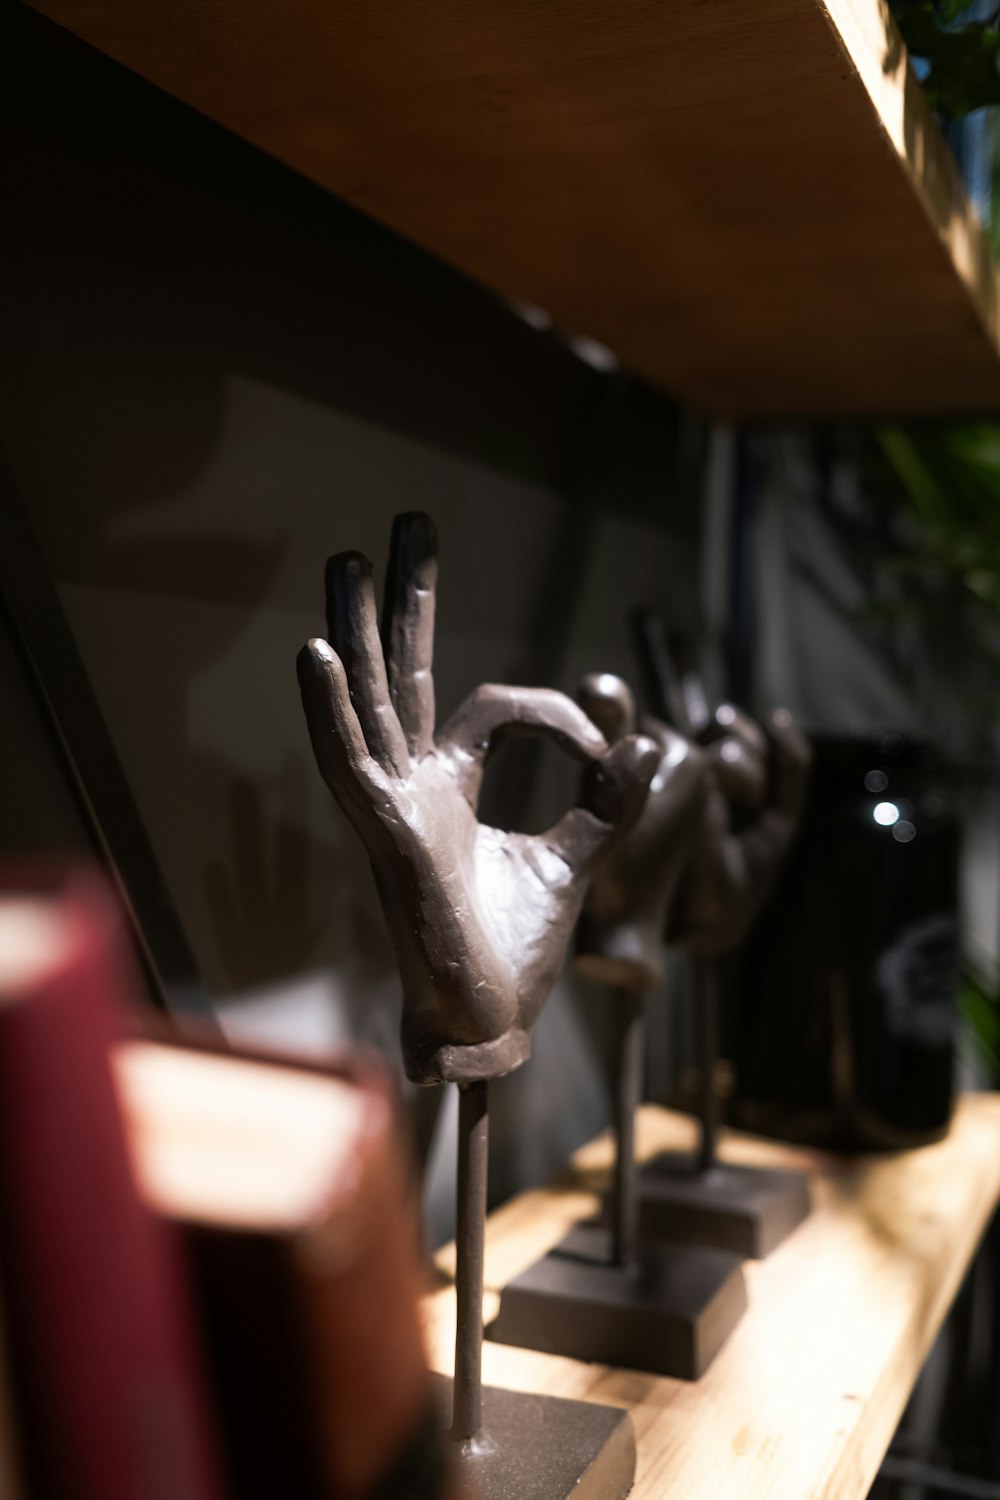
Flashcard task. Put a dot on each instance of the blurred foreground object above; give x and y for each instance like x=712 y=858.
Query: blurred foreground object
x=11 y=1487
x=156 y=1198
x=104 y=1353
x=289 y=1186
x=846 y=1029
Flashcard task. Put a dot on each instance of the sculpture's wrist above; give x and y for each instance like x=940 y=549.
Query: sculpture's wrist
x=626 y=953
x=430 y=1061
x=453 y=1029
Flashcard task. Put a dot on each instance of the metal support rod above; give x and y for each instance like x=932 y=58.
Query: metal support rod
x=706 y=980
x=473 y=1163
x=628 y=1095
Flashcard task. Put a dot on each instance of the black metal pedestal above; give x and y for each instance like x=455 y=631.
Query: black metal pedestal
x=668 y=1311
x=547 y=1448
x=509 y=1446
x=605 y=1295
x=745 y=1210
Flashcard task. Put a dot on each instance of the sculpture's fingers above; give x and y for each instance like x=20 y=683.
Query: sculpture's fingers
x=352 y=626
x=493 y=710
x=337 y=741
x=674 y=747
x=741 y=772
x=609 y=702
x=614 y=794
x=408 y=627
x=728 y=720
x=616 y=786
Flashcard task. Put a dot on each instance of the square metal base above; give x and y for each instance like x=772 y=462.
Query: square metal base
x=745 y=1210
x=546 y=1448
x=669 y=1313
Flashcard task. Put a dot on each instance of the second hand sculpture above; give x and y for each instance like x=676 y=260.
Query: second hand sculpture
x=757 y=783
x=480 y=920
x=605 y=1293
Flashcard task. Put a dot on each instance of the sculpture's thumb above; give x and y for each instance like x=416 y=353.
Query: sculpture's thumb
x=616 y=786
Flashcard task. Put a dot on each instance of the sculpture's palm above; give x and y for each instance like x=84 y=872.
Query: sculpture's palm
x=479 y=918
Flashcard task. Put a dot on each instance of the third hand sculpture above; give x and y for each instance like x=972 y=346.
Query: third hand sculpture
x=757 y=780
x=479 y=920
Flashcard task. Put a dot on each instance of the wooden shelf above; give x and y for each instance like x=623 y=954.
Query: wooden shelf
x=804 y=1399
x=749 y=203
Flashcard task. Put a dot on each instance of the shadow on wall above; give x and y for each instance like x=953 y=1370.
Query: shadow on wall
x=214 y=375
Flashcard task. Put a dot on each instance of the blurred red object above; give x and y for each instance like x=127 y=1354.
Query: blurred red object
x=105 y=1354
x=289 y=1182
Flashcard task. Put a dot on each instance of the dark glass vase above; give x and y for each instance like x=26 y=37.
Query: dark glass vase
x=842 y=1026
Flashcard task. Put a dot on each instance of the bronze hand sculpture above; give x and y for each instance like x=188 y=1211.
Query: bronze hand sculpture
x=620 y=939
x=757 y=786
x=479 y=918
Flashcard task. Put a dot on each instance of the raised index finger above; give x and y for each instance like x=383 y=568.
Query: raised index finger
x=408 y=626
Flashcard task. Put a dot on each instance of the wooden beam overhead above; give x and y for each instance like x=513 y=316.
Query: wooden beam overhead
x=747 y=201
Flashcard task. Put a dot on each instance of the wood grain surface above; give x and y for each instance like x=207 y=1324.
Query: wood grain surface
x=747 y=201
x=804 y=1399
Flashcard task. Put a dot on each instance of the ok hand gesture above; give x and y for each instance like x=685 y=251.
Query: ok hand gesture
x=479 y=918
